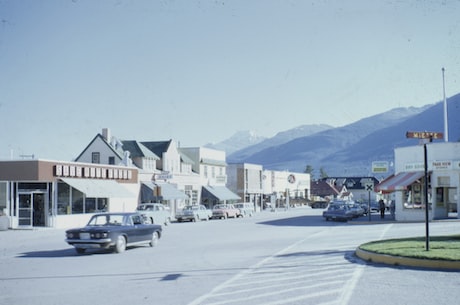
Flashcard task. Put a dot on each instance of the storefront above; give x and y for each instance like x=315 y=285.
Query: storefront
x=407 y=186
x=39 y=193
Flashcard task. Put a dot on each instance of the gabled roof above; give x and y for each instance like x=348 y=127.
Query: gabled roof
x=157 y=147
x=322 y=188
x=118 y=152
x=185 y=159
x=137 y=149
x=351 y=183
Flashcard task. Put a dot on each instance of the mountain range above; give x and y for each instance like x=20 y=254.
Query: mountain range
x=343 y=151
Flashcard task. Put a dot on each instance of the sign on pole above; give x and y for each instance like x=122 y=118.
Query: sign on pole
x=424 y=135
x=369 y=187
x=380 y=166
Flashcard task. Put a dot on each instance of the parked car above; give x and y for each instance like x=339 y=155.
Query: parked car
x=318 y=204
x=194 y=213
x=356 y=209
x=156 y=213
x=113 y=230
x=225 y=211
x=245 y=208
x=338 y=211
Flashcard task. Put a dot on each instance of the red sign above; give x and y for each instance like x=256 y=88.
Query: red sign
x=424 y=135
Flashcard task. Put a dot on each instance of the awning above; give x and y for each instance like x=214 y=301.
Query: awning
x=95 y=188
x=167 y=191
x=219 y=192
x=398 y=182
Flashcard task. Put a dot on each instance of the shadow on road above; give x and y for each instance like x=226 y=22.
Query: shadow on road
x=303 y=221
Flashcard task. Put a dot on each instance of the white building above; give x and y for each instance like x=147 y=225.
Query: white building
x=407 y=186
x=284 y=183
x=211 y=166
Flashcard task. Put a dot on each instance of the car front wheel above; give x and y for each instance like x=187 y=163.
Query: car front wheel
x=120 y=245
x=154 y=240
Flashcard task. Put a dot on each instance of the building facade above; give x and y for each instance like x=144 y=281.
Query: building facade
x=407 y=186
x=245 y=179
x=43 y=193
x=211 y=166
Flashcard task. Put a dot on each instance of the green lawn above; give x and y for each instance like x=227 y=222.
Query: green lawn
x=440 y=247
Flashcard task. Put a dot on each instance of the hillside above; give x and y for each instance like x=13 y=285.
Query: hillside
x=350 y=150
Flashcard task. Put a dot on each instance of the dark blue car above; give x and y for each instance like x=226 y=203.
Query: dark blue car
x=114 y=231
x=338 y=211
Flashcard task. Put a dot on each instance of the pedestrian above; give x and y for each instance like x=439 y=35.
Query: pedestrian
x=382 y=208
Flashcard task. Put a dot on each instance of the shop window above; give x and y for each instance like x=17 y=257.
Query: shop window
x=77 y=202
x=90 y=205
x=413 y=196
x=63 y=206
x=101 y=205
x=95 y=205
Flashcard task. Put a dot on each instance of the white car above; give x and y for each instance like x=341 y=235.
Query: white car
x=156 y=213
x=194 y=213
x=246 y=209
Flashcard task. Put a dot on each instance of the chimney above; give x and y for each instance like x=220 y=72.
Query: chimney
x=106 y=134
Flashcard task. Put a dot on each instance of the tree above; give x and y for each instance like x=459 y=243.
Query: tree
x=323 y=173
x=309 y=169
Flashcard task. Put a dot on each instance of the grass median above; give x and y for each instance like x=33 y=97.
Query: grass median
x=440 y=247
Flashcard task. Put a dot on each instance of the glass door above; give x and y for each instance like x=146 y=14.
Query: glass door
x=25 y=210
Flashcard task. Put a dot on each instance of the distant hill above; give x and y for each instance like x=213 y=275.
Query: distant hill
x=279 y=139
x=350 y=150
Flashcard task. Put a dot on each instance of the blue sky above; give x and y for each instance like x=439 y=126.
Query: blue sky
x=198 y=71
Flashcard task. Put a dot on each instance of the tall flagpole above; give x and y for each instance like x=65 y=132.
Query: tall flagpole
x=446 y=129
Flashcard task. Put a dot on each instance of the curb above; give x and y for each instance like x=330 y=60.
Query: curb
x=406 y=261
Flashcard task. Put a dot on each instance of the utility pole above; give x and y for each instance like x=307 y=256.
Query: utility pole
x=446 y=123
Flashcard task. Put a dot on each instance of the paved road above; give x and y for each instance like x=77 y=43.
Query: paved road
x=286 y=257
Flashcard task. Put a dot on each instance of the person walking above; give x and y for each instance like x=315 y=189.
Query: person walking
x=382 y=208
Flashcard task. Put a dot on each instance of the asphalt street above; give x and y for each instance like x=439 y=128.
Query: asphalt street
x=282 y=257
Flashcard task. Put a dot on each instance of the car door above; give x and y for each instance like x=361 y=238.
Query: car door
x=138 y=231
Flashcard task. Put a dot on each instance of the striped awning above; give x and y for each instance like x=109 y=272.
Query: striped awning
x=398 y=182
x=166 y=191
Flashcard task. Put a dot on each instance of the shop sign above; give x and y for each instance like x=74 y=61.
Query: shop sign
x=414 y=167
x=163 y=176
x=424 y=135
x=291 y=178
x=441 y=165
x=75 y=171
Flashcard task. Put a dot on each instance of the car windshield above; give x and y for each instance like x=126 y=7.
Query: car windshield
x=105 y=220
x=220 y=206
x=144 y=207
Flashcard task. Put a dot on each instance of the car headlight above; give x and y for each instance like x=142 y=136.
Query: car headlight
x=70 y=235
x=99 y=235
